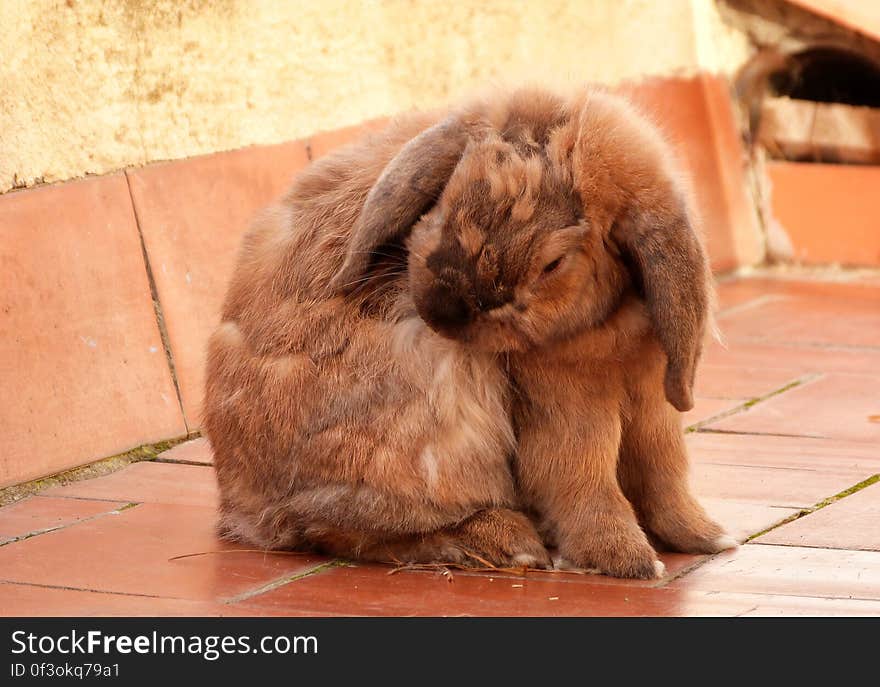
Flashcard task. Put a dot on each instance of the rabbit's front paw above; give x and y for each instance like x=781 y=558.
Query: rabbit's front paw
x=682 y=525
x=615 y=553
x=503 y=538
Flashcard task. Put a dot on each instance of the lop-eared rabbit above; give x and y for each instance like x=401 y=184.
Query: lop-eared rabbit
x=466 y=339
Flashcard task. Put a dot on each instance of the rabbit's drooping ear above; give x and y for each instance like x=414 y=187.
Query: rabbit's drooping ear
x=671 y=265
x=409 y=185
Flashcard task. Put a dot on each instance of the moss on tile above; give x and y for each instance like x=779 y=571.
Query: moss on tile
x=873 y=479
x=98 y=468
x=275 y=584
x=55 y=528
x=698 y=426
x=781 y=390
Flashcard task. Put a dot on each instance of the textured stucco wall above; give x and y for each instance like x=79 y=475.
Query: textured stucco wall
x=89 y=86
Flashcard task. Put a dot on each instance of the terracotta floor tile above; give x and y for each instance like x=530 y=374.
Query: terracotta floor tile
x=706 y=408
x=149 y=482
x=851 y=523
x=193 y=213
x=858 y=460
x=845 y=286
x=835 y=406
x=24 y=600
x=738 y=293
x=129 y=553
x=194 y=451
x=17 y=600
x=118 y=564
x=789 y=570
x=742 y=520
x=744 y=293
x=869 y=279
x=80 y=338
x=780 y=487
x=721 y=382
x=369 y=590
x=809 y=313
x=40 y=513
x=798 y=360
x=775 y=605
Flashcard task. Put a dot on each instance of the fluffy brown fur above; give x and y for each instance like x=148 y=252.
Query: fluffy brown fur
x=462 y=320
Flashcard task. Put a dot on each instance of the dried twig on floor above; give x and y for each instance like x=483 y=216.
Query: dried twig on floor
x=445 y=569
x=265 y=551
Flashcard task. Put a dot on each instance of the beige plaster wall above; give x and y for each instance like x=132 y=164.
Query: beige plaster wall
x=89 y=86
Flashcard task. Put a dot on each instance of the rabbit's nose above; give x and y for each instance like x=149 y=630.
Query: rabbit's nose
x=448 y=309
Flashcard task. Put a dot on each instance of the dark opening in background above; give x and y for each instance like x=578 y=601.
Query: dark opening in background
x=829 y=75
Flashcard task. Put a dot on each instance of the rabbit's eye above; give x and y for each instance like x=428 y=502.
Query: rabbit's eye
x=551 y=266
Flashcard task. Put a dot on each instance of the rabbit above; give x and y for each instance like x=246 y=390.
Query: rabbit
x=344 y=424
x=470 y=339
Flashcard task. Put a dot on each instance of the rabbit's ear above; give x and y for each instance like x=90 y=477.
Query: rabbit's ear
x=668 y=260
x=409 y=185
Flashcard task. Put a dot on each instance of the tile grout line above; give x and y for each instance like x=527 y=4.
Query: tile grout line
x=157 y=305
x=747 y=611
x=798 y=468
x=282 y=581
x=824 y=503
x=178 y=461
x=37 y=533
x=790 y=595
x=820 y=274
x=662 y=583
x=94 y=469
x=810 y=345
x=750 y=403
x=805 y=546
x=741 y=433
x=105 y=499
x=92 y=591
x=873 y=479
x=756 y=302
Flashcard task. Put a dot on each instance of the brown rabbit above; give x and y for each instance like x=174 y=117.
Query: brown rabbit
x=344 y=423
x=553 y=297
